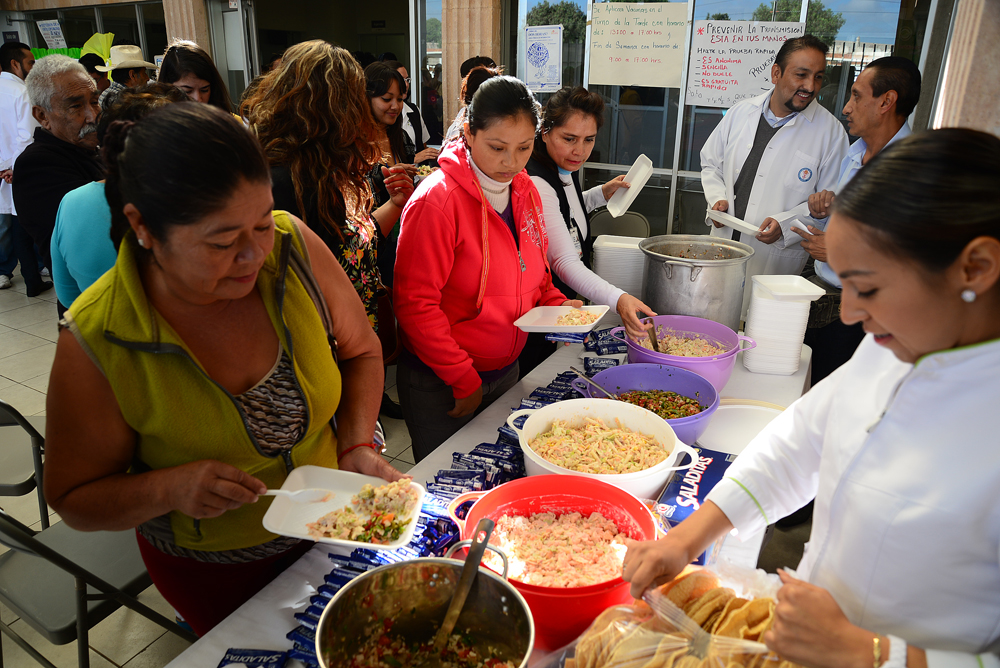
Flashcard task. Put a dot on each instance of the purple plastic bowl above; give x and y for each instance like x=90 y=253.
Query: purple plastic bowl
x=716 y=369
x=660 y=377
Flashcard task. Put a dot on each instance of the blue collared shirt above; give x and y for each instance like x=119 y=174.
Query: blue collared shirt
x=848 y=168
x=773 y=120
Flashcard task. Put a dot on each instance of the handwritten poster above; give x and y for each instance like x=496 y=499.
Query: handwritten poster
x=544 y=71
x=640 y=44
x=52 y=33
x=731 y=60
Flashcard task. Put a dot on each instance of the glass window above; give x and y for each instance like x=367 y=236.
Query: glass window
x=121 y=20
x=78 y=25
x=41 y=16
x=427 y=77
x=572 y=16
x=155 y=26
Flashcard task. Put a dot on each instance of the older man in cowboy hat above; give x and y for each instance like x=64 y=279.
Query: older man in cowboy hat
x=128 y=70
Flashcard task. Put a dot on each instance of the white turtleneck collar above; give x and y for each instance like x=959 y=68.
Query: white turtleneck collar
x=497 y=193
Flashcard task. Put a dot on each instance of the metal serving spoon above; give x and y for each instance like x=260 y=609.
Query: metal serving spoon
x=469 y=572
x=652 y=337
x=592 y=383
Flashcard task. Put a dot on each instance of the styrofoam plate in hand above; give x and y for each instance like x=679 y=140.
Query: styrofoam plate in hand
x=636 y=178
x=287 y=518
x=732 y=221
x=543 y=319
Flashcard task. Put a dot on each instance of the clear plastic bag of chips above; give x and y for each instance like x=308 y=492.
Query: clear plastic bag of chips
x=695 y=621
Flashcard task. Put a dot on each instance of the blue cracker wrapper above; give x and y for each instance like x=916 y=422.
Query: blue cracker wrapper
x=507 y=431
x=307 y=621
x=531 y=403
x=328 y=590
x=461 y=474
x=546 y=392
x=302 y=635
x=390 y=557
x=253 y=658
x=347 y=573
x=687 y=489
x=443 y=493
x=308 y=649
x=481 y=461
x=318 y=600
x=603 y=335
x=590 y=343
x=316 y=610
x=566 y=375
x=361 y=554
x=592 y=365
x=360 y=565
x=574 y=394
x=469 y=485
x=337 y=580
x=305 y=657
x=615 y=348
x=504 y=439
x=434 y=507
x=511 y=452
x=559 y=385
x=567 y=337
x=446 y=488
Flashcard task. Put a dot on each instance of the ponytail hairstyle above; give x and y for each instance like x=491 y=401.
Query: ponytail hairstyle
x=183 y=58
x=379 y=78
x=926 y=196
x=500 y=98
x=177 y=165
x=558 y=110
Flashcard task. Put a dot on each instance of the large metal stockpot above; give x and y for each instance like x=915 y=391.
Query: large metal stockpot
x=415 y=595
x=699 y=275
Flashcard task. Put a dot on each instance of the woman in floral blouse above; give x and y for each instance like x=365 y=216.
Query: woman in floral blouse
x=312 y=116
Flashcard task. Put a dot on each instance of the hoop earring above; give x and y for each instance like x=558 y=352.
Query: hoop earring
x=968 y=296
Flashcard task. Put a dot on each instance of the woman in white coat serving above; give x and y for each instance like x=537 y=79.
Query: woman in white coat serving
x=570 y=123
x=900 y=444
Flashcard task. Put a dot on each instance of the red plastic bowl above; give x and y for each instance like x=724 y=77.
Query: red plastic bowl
x=562 y=614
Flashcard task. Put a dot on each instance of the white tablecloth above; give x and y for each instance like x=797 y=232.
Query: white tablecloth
x=263 y=621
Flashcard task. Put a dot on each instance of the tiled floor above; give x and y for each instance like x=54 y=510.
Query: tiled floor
x=28 y=333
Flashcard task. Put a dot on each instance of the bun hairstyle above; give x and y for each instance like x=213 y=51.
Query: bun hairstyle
x=499 y=98
x=177 y=165
x=925 y=197
x=183 y=58
x=474 y=79
x=558 y=109
x=379 y=78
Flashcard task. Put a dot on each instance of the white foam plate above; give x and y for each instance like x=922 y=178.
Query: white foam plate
x=543 y=319
x=636 y=178
x=732 y=221
x=734 y=426
x=788 y=288
x=288 y=518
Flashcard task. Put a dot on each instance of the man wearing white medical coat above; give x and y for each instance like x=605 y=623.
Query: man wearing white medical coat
x=769 y=154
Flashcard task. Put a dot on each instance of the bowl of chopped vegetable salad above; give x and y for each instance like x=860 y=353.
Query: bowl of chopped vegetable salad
x=684 y=399
x=616 y=442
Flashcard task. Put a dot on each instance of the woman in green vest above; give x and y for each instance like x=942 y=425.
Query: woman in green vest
x=198 y=371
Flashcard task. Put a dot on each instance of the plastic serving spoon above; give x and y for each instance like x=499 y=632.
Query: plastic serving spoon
x=469 y=572
x=302 y=495
x=587 y=378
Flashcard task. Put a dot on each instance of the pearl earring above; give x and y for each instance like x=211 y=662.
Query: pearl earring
x=968 y=296
x=142 y=243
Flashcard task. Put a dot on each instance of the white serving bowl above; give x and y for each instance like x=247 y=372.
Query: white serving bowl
x=642 y=484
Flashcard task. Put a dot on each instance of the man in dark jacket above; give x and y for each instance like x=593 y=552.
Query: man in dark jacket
x=63 y=156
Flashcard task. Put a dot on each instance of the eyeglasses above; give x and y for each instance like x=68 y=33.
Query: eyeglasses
x=407 y=80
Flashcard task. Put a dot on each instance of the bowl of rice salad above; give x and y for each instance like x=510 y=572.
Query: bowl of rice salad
x=618 y=443
x=696 y=344
x=688 y=414
x=561 y=610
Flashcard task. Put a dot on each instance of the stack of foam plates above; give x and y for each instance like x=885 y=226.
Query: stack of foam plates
x=779 y=313
x=619 y=261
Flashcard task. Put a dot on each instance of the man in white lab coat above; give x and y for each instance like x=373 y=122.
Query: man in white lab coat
x=770 y=153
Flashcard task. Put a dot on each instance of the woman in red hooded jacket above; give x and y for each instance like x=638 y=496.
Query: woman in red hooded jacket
x=470 y=261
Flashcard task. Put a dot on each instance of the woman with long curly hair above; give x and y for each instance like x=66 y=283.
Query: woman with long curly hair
x=312 y=117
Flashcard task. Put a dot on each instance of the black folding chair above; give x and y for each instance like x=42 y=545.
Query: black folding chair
x=21 y=449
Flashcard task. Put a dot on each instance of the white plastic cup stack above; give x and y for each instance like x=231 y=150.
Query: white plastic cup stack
x=777 y=319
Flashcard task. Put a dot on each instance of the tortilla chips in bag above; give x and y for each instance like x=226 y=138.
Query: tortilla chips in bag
x=692 y=622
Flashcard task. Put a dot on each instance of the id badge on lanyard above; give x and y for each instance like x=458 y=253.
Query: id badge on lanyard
x=574 y=235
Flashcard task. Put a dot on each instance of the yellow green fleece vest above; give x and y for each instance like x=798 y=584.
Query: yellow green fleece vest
x=181 y=415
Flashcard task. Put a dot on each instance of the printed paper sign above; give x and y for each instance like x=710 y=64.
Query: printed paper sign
x=544 y=70
x=731 y=60
x=52 y=33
